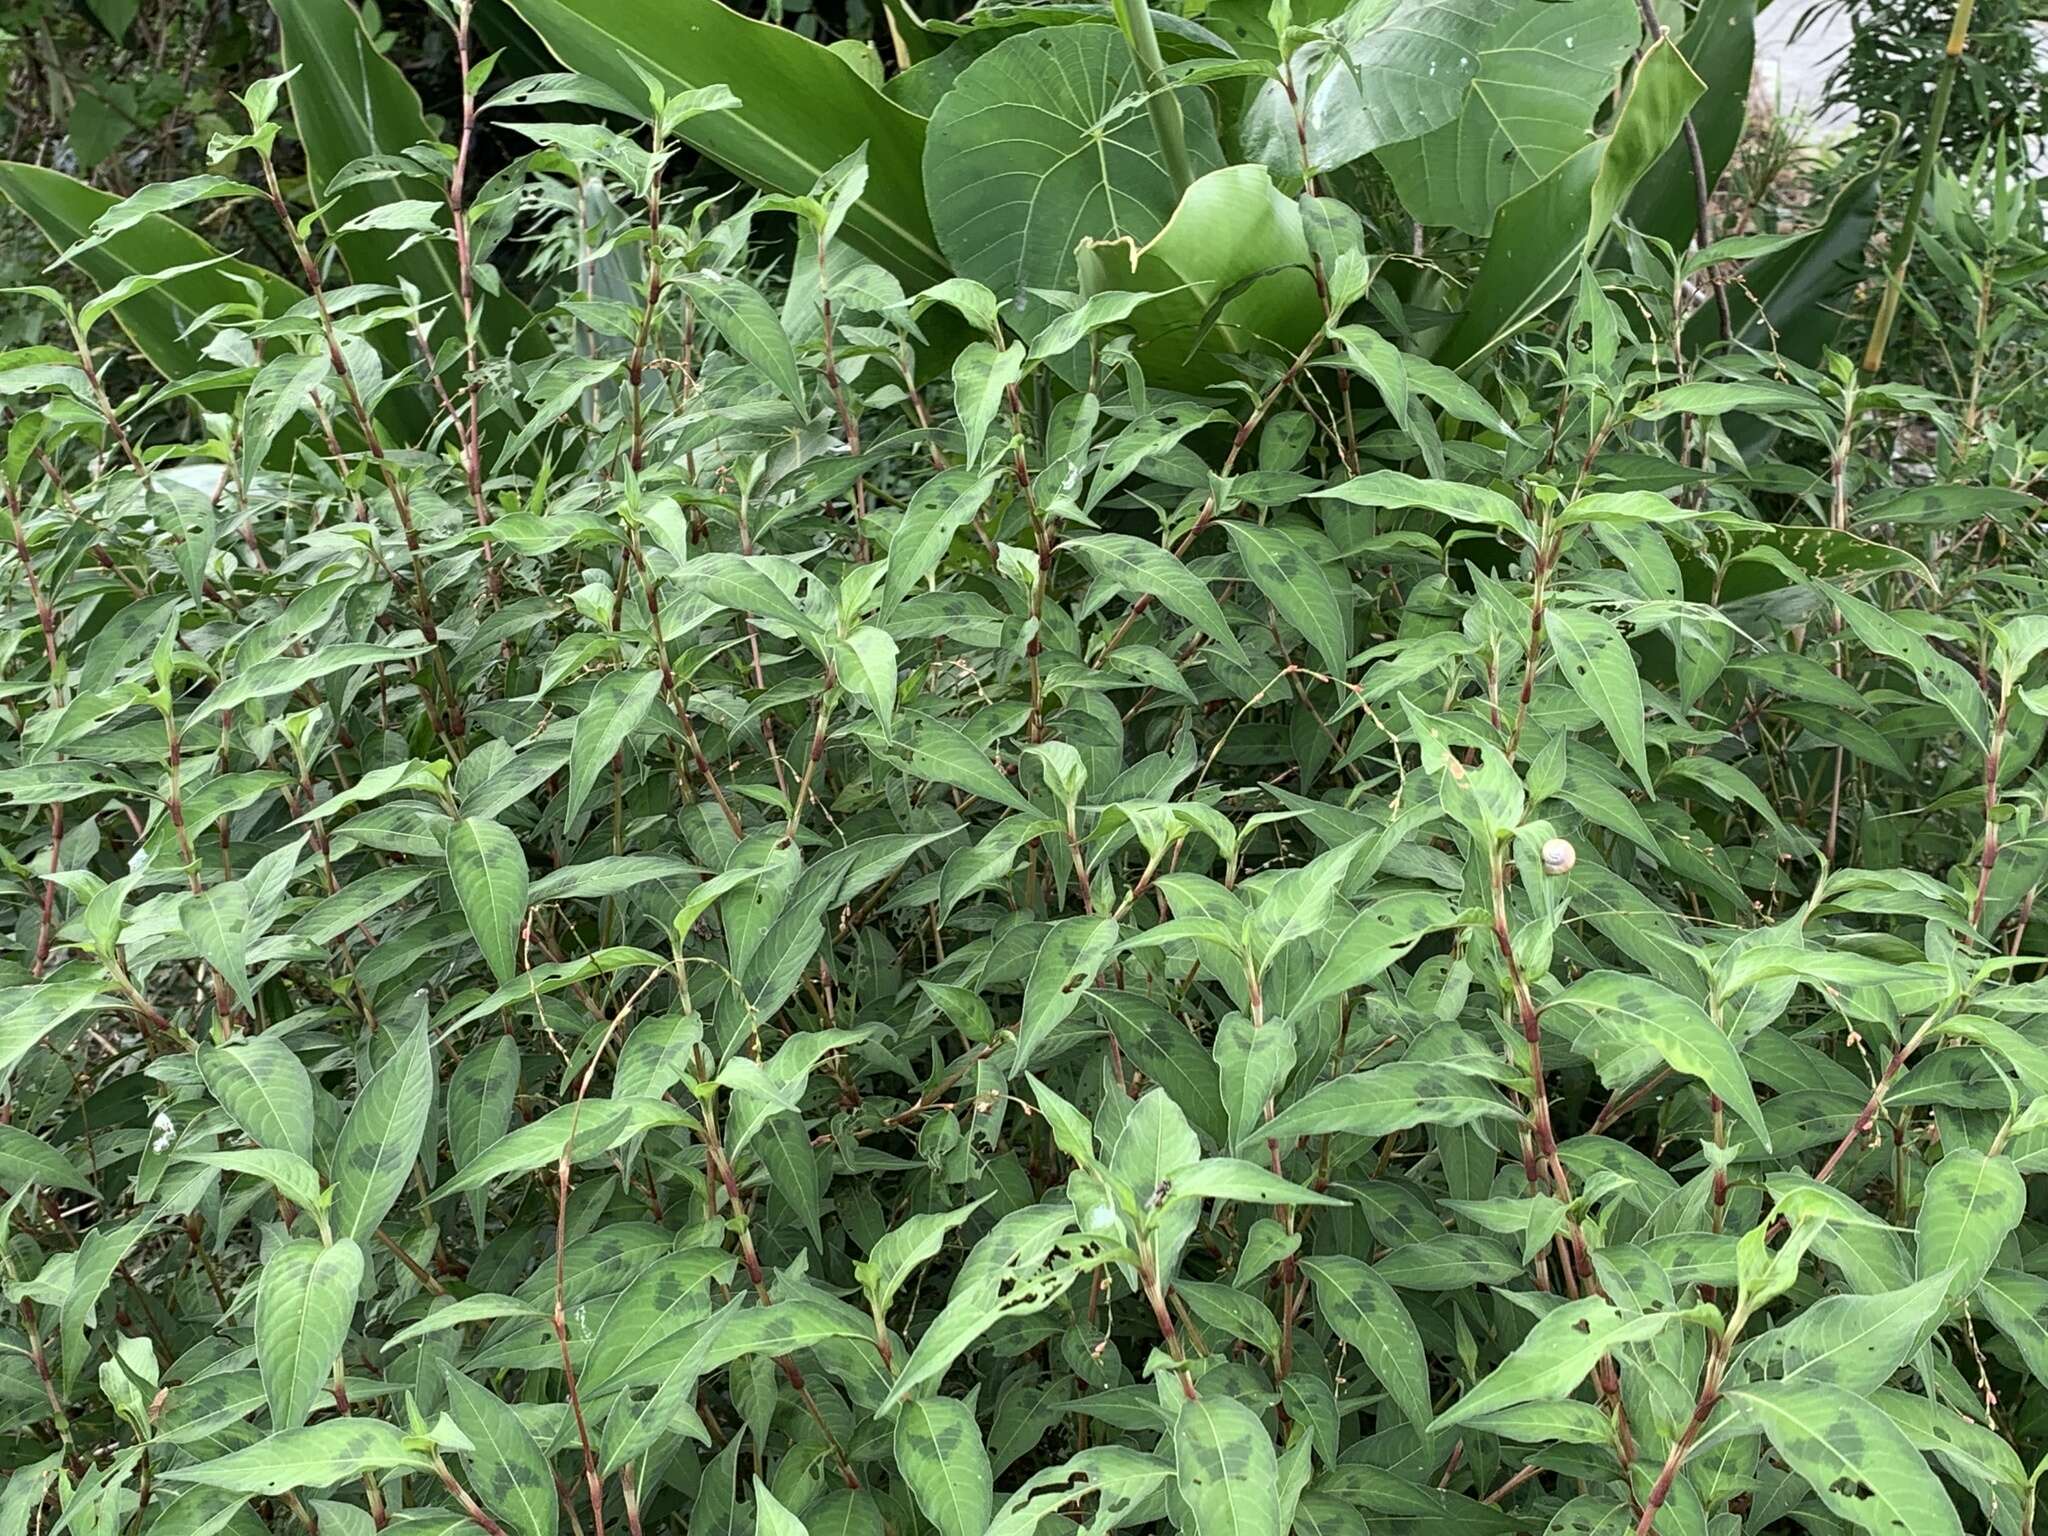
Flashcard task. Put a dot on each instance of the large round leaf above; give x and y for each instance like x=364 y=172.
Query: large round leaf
x=1045 y=140
x=1232 y=271
x=1544 y=72
x=1387 y=72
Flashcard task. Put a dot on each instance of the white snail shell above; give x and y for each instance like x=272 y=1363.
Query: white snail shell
x=1559 y=856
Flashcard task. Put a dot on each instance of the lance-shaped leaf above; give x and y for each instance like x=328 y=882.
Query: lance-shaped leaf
x=1225 y=1470
x=310 y=1456
x=26 y=1159
x=1282 y=563
x=902 y=1248
x=1380 y=935
x=381 y=1137
x=940 y=1453
x=1137 y=567
x=1596 y=662
x=1387 y=74
x=1625 y=1014
x=748 y=324
x=304 y=1301
x=487 y=867
x=1366 y=1313
x=217 y=923
x=616 y=708
x=1563 y=1346
x=1860 y=1464
x=1968 y=1208
x=265 y=1087
x=585 y=1129
x=1072 y=952
x=507 y=1470
x=1385 y=1099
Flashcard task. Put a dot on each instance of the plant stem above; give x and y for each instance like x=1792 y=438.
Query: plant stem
x=1702 y=189
x=1160 y=102
x=1923 y=178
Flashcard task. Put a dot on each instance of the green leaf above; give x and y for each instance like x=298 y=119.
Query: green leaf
x=939 y=508
x=1225 y=1471
x=1859 y=1463
x=507 y=1470
x=26 y=1159
x=286 y=1172
x=615 y=710
x=310 y=1456
x=1381 y=934
x=304 y=1303
x=1601 y=670
x=1366 y=1313
x=772 y=1517
x=1230 y=1178
x=1252 y=1061
x=1023 y=156
x=265 y=1087
x=940 y=1453
x=1720 y=46
x=217 y=923
x=941 y=754
x=803 y=109
x=381 y=1138
x=982 y=377
x=1625 y=1013
x=1969 y=1206
x=749 y=325
x=1554 y=1358
x=1385 y=1099
x=902 y=1248
x=29 y=1014
x=1849 y=1341
x=1391 y=73
x=2017 y=1305
x=488 y=869
x=584 y=1129
x=1283 y=565
x=1068 y=958
x=1541 y=75
x=866 y=661
x=1128 y=564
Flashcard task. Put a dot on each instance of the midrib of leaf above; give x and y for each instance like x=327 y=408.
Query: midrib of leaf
x=812 y=170
x=256 y=1081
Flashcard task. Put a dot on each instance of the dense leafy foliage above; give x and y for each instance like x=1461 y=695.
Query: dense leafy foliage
x=1213 y=823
